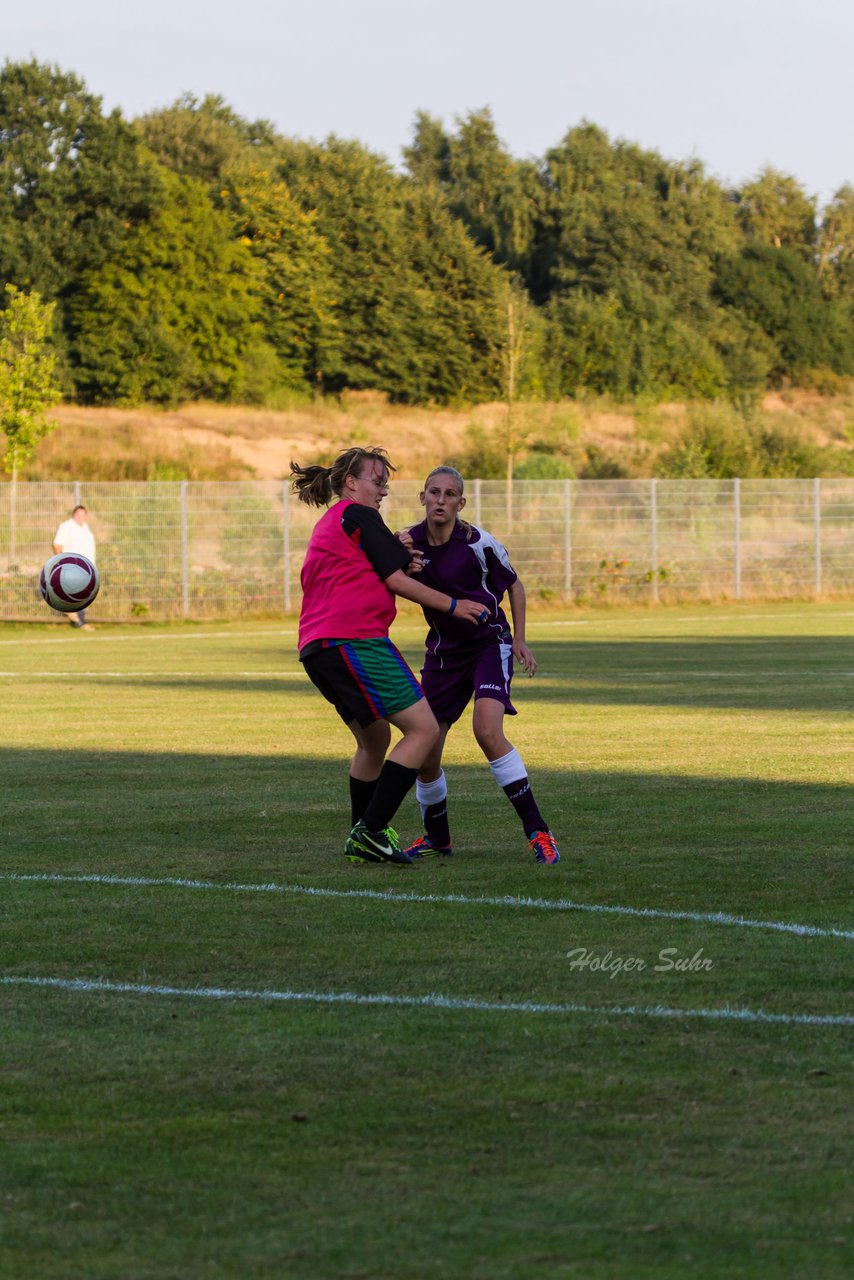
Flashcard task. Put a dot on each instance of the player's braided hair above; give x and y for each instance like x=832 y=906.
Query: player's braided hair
x=318 y=485
x=445 y=470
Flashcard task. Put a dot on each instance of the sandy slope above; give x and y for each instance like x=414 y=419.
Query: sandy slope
x=206 y=441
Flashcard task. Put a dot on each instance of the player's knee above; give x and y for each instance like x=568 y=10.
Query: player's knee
x=378 y=750
x=491 y=742
x=431 y=734
x=375 y=740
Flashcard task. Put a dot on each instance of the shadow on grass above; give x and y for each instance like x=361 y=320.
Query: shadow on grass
x=652 y=838
x=750 y=673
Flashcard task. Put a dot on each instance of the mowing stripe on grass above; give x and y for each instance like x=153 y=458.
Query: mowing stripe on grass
x=454 y=899
x=431 y=1001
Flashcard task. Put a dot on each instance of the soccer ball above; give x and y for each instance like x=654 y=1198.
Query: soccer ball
x=69 y=582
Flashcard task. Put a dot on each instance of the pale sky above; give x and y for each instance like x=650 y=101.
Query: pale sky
x=737 y=84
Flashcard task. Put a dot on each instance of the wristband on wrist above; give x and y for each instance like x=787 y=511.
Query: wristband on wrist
x=453 y=605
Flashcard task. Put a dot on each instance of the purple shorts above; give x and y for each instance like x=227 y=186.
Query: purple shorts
x=448 y=680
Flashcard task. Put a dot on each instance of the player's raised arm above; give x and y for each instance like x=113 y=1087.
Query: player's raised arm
x=402 y=585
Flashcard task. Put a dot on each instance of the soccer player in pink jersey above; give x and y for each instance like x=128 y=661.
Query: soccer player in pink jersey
x=354 y=567
x=461 y=559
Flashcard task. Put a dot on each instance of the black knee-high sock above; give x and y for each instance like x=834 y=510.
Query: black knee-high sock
x=391 y=787
x=521 y=797
x=360 y=797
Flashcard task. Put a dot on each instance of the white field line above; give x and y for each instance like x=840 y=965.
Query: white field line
x=158 y=635
x=451 y=899
x=801 y=615
x=576 y=678
x=431 y=1001
x=281 y=674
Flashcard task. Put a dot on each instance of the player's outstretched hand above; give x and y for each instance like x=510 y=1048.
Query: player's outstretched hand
x=415 y=565
x=524 y=657
x=471 y=611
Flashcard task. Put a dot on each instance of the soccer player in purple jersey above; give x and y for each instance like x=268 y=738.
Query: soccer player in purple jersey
x=354 y=567
x=463 y=560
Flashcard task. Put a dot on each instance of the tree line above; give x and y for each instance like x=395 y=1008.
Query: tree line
x=192 y=254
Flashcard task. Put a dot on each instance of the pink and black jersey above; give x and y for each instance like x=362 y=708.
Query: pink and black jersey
x=471 y=565
x=350 y=554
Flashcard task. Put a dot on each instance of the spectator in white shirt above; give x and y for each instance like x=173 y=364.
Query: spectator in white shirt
x=74 y=534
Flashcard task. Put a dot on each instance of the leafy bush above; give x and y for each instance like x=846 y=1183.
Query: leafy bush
x=720 y=443
x=482 y=455
x=541 y=465
x=600 y=465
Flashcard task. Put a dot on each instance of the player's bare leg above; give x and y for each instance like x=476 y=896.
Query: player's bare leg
x=488 y=726
x=432 y=766
x=420 y=734
x=372 y=743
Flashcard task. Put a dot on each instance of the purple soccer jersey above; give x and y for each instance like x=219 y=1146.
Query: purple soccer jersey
x=462 y=659
x=469 y=567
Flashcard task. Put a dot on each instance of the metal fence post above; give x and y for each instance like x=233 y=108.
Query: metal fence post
x=567 y=538
x=477 y=485
x=737 y=532
x=76 y=493
x=653 y=555
x=185 y=552
x=286 y=545
x=817 y=522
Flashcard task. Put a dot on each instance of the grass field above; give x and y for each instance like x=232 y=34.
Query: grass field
x=473 y=1068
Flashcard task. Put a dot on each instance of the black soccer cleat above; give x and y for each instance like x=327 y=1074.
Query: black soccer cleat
x=375 y=846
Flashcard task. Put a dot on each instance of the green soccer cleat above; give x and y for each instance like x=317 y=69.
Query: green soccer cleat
x=375 y=846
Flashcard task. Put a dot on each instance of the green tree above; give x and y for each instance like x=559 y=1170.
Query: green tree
x=496 y=196
x=836 y=245
x=27 y=374
x=172 y=314
x=294 y=283
x=356 y=196
x=205 y=139
x=630 y=342
x=454 y=320
x=27 y=384
x=618 y=214
x=775 y=210
x=416 y=300
x=72 y=180
x=780 y=292
x=628 y=257
x=428 y=159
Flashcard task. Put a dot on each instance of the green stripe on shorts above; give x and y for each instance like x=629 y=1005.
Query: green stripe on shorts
x=382 y=674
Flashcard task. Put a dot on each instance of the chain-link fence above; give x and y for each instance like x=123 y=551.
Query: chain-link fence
x=204 y=550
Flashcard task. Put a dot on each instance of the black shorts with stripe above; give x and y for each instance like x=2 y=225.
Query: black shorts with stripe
x=365 y=680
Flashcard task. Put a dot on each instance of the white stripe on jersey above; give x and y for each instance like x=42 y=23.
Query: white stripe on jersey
x=479 y=548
